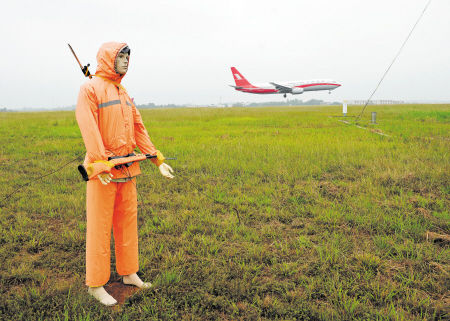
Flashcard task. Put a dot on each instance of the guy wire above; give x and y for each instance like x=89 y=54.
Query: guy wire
x=128 y=174
x=395 y=58
x=38 y=178
x=197 y=187
x=135 y=186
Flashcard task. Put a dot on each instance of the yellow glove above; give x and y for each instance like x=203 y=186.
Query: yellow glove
x=101 y=169
x=160 y=158
x=105 y=178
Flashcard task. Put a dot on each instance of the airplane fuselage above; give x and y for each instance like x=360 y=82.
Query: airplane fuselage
x=291 y=87
x=303 y=86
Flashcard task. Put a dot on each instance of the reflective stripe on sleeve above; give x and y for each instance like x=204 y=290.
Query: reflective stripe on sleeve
x=109 y=103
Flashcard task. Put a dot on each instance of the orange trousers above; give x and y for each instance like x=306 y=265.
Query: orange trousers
x=113 y=205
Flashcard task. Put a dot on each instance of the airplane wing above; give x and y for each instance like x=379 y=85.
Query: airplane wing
x=281 y=88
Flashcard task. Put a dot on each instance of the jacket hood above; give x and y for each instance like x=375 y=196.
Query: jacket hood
x=106 y=58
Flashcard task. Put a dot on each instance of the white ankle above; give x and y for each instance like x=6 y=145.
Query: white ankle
x=101 y=295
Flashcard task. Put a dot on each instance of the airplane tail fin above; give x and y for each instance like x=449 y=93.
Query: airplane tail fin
x=239 y=79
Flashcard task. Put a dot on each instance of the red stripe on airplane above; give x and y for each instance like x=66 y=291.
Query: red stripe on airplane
x=259 y=90
x=319 y=84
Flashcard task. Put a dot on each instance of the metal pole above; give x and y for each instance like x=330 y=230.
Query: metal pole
x=374 y=117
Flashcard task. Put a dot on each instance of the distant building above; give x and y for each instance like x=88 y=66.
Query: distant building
x=376 y=102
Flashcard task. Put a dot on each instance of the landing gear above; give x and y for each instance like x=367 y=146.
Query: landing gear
x=329 y=92
x=284 y=95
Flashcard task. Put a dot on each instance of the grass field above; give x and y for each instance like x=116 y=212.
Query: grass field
x=331 y=220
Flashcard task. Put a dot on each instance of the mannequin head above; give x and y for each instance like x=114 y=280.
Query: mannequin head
x=121 y=63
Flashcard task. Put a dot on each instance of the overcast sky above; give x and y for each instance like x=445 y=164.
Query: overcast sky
x=182 y=51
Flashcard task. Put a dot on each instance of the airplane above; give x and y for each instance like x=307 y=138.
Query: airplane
x=292 y=87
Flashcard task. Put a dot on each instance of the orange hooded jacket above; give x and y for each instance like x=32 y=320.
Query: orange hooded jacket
x=109 y=121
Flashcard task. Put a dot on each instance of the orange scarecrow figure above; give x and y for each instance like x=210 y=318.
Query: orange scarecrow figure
x=111 y=125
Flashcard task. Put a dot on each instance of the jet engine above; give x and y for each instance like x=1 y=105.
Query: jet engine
x=296 y=91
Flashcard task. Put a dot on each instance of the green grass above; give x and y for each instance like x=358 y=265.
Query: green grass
x=333 y=218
